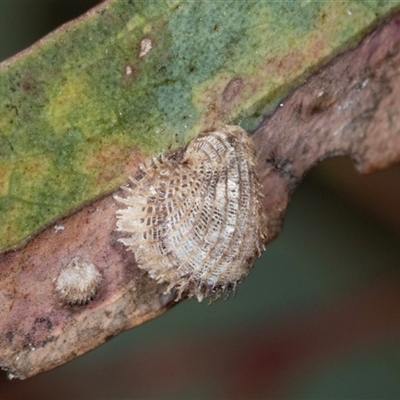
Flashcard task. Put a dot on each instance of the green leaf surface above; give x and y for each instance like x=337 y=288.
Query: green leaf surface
x=83 y=105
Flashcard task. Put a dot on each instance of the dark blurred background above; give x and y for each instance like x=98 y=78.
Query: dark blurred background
x=318 y=317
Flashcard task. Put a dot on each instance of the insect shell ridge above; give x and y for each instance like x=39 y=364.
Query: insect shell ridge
x=196 y=221
x=202 y=290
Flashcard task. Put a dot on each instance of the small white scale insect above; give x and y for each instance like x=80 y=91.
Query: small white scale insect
x=78 y=282
x=195 y=220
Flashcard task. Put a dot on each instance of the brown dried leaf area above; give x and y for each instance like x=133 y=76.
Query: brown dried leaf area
x=350 y=107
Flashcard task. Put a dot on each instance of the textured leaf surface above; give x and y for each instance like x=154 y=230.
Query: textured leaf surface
x=86 y=103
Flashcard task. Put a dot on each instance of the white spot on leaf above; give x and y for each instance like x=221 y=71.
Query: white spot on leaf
x=58 y=228
x=128 y=70
x=145 y=46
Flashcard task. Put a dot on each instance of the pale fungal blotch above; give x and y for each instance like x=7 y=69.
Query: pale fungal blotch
x=78 y=282
x=145 y=46
x=195 y=219
x=128 y=70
